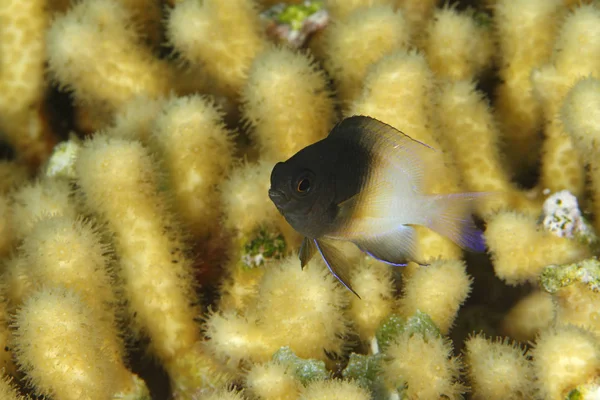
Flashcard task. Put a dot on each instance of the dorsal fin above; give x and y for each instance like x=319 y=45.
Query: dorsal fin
x=388 y=144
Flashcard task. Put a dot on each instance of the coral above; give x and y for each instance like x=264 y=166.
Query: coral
x=529 y=316
x=137 y=234
x=576 y=55
x=374 y=282
x=272 y=381
x=8 y=390
x=354 y=43
x=457 y=46
x=579 y=115
x=563 y=359
x=286 y=102
x=525 y=33
x=65 y=327
x=149 y=244
x=418 y=12
x=64 y=252
x=287 y=299
x=22 y=80
x=441 y=305
x=521 y=251
x=223 y=37
x=498 y=369
x=100 y=33
x=193 y=179
x=421 y=365
x=472 y=136
x=334 y=390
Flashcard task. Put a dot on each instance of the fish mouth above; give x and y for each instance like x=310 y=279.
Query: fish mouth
x=278 y=197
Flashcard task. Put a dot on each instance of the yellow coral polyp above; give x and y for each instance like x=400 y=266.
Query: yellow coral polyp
x=581 y=116
x=148 y=242
x=334 y=390
x=273 y=381
x=8 y=390
x=197 y=150
x=525 y=30
x=289 y=299
x=373 y=281
x=564 y=358
x=354 y=43
x=287 y=103
x=245 y=198
x=438 y=290
x=135 y=119
x=498 y=369
x=520 y=250
x=471 y=134
x=423 y=366
x=417 y=12
x=34 y=201
x=18 y=282
x=22 y=78
x=529 y=316
x=62 y=251
x=94 y=52
x=59 y=346
x=578 y=305
x=457 y=47
x=221 y=36
x=576 y=55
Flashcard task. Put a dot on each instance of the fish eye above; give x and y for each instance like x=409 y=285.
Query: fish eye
x=303 y=185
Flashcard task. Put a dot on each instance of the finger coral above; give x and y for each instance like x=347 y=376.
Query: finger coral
x=141 y=255
x=222 y=37
x=286 y=102
x=525 y=32
x=288 y=298
x=68 y=331
x=498 y=370
x=457 y=45
x=354 y=43
x=123 y=66
x=22 y=82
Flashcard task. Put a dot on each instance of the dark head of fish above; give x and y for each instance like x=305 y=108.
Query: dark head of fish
x=308 y=187
x=301 y=188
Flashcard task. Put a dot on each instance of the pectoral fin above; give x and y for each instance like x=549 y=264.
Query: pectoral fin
x=336 y=263
x=307 y=251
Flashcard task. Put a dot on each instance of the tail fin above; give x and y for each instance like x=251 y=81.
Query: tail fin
x=451 y=217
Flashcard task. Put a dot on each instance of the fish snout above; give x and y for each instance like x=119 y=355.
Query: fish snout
x=278 y=197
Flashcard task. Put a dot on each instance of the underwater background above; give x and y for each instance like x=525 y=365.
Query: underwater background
x=140 y=254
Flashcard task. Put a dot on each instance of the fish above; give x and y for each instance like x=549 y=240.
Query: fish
x=363 y=184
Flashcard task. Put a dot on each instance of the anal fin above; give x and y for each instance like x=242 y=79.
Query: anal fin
x=395 y=248
x=336 y=263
